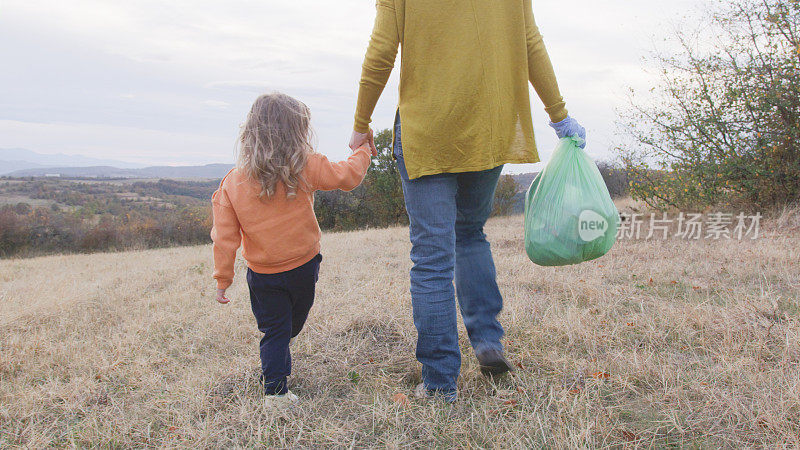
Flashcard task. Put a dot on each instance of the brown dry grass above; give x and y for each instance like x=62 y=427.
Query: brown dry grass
x=656 y=344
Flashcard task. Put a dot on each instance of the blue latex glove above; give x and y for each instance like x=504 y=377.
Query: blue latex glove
x=570 y=127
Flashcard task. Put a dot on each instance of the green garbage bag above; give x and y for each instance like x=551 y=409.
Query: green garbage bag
x=569 y=215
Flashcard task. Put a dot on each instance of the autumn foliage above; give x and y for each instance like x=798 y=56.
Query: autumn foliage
x=725 y=123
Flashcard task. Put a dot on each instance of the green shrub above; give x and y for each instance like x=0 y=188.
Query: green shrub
x=725 y=127
x=504 y=196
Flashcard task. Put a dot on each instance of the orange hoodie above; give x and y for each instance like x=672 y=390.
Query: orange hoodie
x=276 y=233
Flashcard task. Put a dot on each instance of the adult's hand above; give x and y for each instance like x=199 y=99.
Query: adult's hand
x=570 y=127
x=359 y=139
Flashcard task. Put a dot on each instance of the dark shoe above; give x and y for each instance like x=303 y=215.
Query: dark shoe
x=493 y=362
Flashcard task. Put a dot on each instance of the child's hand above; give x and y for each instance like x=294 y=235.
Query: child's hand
x=221 y=296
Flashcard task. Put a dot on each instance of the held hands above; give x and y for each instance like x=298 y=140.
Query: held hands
x=359 y=139
x=570 y=127
x=221 y=297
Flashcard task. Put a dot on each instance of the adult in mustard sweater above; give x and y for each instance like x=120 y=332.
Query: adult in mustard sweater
x=465 y=112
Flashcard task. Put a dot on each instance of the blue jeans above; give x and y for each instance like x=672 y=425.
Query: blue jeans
x=447 y=213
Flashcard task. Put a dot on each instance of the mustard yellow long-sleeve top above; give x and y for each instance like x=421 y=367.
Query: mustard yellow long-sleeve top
x=465 y=68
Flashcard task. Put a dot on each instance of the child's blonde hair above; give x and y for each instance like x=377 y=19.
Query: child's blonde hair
x=276 y=142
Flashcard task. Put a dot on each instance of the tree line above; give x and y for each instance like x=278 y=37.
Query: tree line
x=103 y=215
x=91 y=216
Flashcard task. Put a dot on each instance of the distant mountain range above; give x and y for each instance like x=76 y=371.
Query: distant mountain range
x=17 y=162
x=206 y=171
x=12 y=159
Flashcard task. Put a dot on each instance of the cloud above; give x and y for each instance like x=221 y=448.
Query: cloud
x=172 y=80
x=216 y=104
x=125 y=143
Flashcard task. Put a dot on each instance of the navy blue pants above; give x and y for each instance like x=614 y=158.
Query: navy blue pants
x=281 y=302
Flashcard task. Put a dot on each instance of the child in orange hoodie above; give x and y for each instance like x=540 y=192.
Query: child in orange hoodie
x=266 y=204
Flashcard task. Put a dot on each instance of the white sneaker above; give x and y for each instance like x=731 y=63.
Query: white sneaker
x=281 y=402
x=421 y=391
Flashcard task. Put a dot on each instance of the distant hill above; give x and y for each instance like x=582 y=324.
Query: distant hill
x=524 y=180
x=14 y=159
x=206 y=171
x=14 y=165
x=19 y=162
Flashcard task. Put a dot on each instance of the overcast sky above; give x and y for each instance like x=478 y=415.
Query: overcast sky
x=157 y=82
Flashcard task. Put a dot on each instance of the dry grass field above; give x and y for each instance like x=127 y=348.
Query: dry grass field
x=657 y=344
